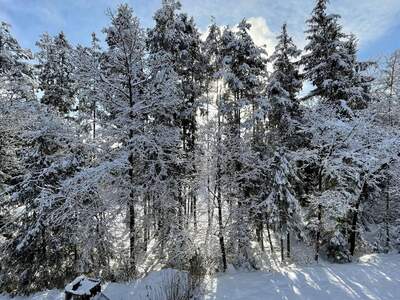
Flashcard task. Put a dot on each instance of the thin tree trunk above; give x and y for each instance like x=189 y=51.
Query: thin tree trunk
x=269 y=238
x=391 y=86
x=131 y=205
x=209 y=221
x=145 y=222
x=318 y=238
x=94 y=120
x=260 y=234
x=319 y=216
x=387 y=219
x=132 y=241
x=220 y=229
x=195 y=212
x=288 y=245
x=219 y=200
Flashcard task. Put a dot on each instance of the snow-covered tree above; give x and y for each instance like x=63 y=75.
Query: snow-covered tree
x=283 y=87
x=16 y=87
x=122 y=84
x=162 y=155
x=158 y=147
x=36 y=245
x=345 y=162
x=16 y=74
x=326 y=63
x=358 y=89
x=387 y=87
x=243 y=67
x=87 y=70
x=55 y=72
x=213 y=151
x=281 y=204
x=176 y=34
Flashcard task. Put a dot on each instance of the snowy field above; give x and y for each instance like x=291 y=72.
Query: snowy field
x=374 y=277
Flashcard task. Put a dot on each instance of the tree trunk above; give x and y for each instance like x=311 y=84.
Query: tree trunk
x=317 y=240
x=132 y=251
x=220 y=229
x=94 y=120
x=391 y=88
x=269 y=238
x=260 y=234
x=353 y=230
x=131 y=205
x=219 y=200
x=288 y=245
x=319 y=216
x=195 y=212
x=387 y=246
x=145 y=222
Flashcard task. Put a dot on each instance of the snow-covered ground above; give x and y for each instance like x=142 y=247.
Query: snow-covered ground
x=374 y=277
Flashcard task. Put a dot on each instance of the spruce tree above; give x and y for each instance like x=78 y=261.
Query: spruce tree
x=358 y=93
x=282 y=205
x=282 y=90
x=325 y=60
x=55 y=72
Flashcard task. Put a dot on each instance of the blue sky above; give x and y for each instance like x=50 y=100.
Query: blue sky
x=376 y=22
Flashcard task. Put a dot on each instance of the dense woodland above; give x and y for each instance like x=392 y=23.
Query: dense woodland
x=158 y=147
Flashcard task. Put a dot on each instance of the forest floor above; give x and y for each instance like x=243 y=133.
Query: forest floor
x=373 y=277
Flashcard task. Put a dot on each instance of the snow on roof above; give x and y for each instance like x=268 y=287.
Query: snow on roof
x=81 y=285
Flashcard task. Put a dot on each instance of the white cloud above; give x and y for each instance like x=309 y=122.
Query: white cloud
x=368 y=19
x=262 y=34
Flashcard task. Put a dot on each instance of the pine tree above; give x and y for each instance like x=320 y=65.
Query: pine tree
x=55 y=72
x=282 y=132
